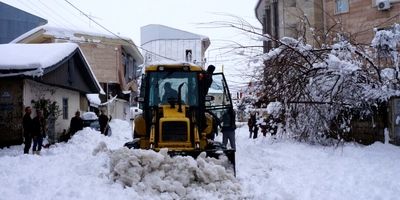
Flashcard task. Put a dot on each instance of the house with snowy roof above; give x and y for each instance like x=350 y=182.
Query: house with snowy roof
x=162 y=43
x=115 y=61
x=33 y=73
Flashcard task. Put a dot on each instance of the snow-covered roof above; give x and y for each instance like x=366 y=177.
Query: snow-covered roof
x=160 y=32
x=94 y=99
x=74 y=35
x=32 y=59
x=79 y=36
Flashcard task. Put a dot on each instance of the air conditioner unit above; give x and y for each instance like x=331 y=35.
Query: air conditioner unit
x=383 y=4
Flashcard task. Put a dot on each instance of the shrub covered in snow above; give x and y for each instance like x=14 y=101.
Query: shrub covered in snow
x=323 y=87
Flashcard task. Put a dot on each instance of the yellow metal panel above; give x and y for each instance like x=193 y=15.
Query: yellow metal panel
x=173 y=112
x=176 y=145
x=140 y=125
x=178 y=149
x=173 y=66
x=173 y=119
x=152 y=135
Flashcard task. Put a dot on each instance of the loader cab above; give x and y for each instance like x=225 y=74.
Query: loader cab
x=161 y=85
x=170 y=100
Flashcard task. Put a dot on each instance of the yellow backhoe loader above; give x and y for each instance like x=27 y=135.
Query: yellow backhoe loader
x=183 y=106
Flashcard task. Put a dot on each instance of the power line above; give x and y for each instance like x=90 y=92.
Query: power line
x=74 y=14
x=51 y=11
x=34 y=10
x=106 y=29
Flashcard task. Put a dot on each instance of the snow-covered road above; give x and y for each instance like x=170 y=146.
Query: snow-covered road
x=266 y=169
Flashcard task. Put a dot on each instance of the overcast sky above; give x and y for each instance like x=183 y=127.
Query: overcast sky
x=125 y=17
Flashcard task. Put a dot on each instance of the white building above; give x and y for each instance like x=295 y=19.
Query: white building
x=162 y=43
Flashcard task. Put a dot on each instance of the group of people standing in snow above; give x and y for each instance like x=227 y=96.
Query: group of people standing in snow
x=34 y=130
x=267 y=124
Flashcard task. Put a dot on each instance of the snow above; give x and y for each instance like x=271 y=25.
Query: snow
x=68 y=34
x=94 y=99
x=274 y=108
x=89 y=116
x=33 y=58
x=93 y=166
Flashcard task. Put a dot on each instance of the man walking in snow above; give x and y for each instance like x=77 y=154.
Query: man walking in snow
x=27 y=125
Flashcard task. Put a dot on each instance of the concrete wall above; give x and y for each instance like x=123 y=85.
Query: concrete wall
x=104 y=60
x=292 y=14
x=11 y=111
x=118 y=109
x=362 y=18
x=175 y=49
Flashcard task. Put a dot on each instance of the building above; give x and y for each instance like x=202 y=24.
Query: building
x=163 y=43
x=14 y=22
x=287 y=18
x=115 y=61
x=56 y=74
x=357 y=19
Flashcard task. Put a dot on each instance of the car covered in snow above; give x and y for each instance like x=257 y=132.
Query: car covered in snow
x=91 y=120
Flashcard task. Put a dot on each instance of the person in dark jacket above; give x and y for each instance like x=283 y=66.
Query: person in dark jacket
x=250 y=124
x=228 y=128
x=169 y=93
x=103 y=121
x=208 y=78
x=76 y=124
x=39 y=132
x=255 y=125
x=27 y=123
x=205 y=84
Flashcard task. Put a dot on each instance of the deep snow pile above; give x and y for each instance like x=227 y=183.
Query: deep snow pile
x=176 y=177
x=94 y=166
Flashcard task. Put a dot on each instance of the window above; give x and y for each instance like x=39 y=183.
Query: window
x=188 y=55
x=65 y=108
x=186 y=81
x=342 y=6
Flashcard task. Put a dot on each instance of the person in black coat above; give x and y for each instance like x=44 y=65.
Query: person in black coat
x=250 y=124
x=76 y=124
x=208 y=78
x=103 y=121
x=27 y=124
x=205 y=84
x=169 y=93
x=228 y=128
x=39 y=132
